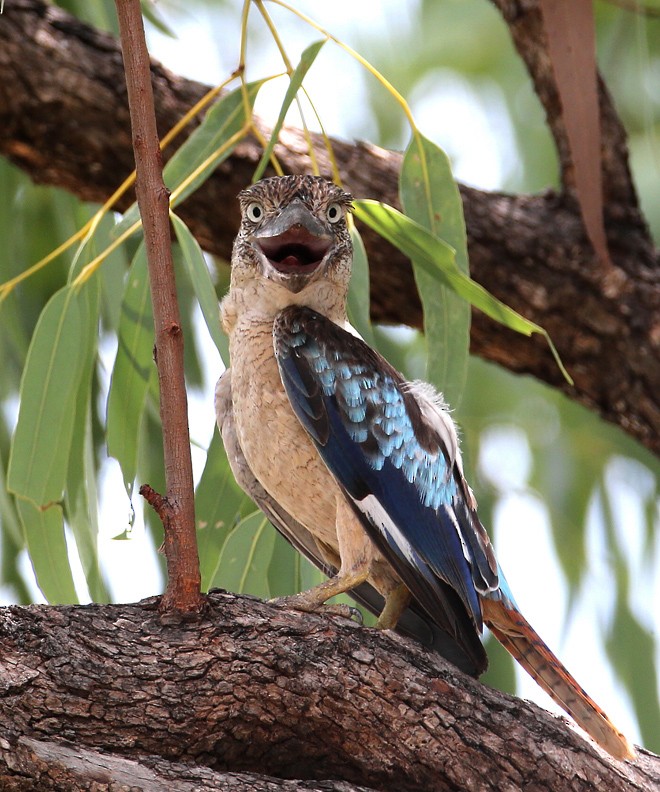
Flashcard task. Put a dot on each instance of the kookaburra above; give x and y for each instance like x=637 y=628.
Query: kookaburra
x=358 y=468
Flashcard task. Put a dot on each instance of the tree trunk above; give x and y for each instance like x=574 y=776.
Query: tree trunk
x=119 y=694
x=64 y=118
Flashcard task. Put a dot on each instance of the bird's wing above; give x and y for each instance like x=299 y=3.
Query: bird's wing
x=395 y=456
x=413 y=622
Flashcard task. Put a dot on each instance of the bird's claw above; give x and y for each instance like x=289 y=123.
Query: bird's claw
x=336 y=609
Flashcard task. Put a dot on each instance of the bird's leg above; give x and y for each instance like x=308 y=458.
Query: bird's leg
x=395 y=603
x=314 y=599
x=356 y=553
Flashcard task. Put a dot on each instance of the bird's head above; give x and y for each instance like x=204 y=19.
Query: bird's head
x=294 y=235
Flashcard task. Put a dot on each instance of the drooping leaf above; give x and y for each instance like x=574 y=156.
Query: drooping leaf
x=570 y=29
x=246 y=556
x=218 y=505
x=631 y=648
x=80 y=496
x=224 y=120
x=200 y=278
x=133 y=366
x=438 y=258
x=46 y=543
x=429 y=195
x=295 y=81
x=358 y=303
x=8 y=514
x=39 y=458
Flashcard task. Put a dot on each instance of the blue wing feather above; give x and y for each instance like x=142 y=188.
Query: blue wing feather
x=371 y=435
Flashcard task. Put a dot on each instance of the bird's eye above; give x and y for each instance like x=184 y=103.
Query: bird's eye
x=334 y=213
x=254 y=211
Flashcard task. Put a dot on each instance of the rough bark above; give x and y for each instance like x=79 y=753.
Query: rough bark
x=64 y=120
x=112 y=693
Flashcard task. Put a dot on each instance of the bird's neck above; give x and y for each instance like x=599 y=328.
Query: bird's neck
x=260 y=301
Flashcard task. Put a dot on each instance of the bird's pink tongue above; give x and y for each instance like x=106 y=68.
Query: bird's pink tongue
x=290 y=261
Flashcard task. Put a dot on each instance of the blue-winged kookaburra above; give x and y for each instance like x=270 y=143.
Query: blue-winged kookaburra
x=359 y=469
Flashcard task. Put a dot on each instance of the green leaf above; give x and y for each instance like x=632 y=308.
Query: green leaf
x=438 y=258
x=358 y=294
x=295 y=81
x=218 y=505
x=429 y=195
x=631 y=648
x=246 y=556
x=133 y=366
x=200 y=278
x=8 y=514
x=284 y=576
x=46 y=543
x=80 y=495
x=39 y=458
x=225 y=119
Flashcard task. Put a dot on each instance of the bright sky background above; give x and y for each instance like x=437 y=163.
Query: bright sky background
x=481 y=144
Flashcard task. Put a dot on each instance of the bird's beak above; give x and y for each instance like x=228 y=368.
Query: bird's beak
x=295 y=242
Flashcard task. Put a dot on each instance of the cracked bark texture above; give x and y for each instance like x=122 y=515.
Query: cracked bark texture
x=124 y=695
x=65 y=122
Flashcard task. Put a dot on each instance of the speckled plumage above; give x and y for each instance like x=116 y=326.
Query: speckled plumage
x=359 y=469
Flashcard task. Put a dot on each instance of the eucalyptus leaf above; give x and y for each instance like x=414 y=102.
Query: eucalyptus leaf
x=295 y=81
x=132 y=369
x=218 y=505
x=224 y=120
x=358 y=304
x=81 y=499
x=246 y=556
x=46 y=544
x=40 y=448
x=438 y=258
x=200 y=278
x=430 y=196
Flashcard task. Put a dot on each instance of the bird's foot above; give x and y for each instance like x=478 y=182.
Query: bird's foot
x=306 y=605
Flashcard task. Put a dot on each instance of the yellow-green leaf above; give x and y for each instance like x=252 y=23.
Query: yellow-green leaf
x=224 y=120
x=295 y=81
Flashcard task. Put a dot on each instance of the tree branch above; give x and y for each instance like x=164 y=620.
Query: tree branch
x=56 y=765
x=64 y=118
x=177 y=510
x=252 y=688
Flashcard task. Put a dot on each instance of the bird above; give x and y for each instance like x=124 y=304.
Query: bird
x=357 y=467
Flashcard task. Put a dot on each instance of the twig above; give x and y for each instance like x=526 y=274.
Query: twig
x=177 y=509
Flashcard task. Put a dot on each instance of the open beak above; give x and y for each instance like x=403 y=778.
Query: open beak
x=294 y=242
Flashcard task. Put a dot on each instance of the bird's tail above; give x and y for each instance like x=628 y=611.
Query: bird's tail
x=520 y=639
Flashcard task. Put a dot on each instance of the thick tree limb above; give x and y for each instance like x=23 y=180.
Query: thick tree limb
x=64 y=121
x=249 y=687
x=55 y=765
